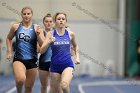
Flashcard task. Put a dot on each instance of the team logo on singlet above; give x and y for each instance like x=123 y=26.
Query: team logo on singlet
x=24 y=37
x=61 y=42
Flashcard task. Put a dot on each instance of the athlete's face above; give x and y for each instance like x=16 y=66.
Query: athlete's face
x=27 y=15
x=48 y=23
x=61 y=20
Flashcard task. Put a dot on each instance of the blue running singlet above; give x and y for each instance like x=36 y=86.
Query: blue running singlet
x=61 y=48
x=61 y=57
x=26 y=43
x=46 y=57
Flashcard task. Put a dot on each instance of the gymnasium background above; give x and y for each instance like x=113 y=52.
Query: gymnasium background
x=105 y=30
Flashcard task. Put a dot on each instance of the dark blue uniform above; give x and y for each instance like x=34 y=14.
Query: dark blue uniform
x=61 y=57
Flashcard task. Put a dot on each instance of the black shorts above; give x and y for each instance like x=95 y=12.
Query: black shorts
x=44 y=66
x=29 y=64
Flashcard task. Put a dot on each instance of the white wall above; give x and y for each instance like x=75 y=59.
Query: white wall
x=105 y=9
x=99 y=42
x=10 y=9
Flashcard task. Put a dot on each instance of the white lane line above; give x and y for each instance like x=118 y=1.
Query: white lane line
x=48 y=89
x=118 y=90
x=11 y=90
x=105 y=83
